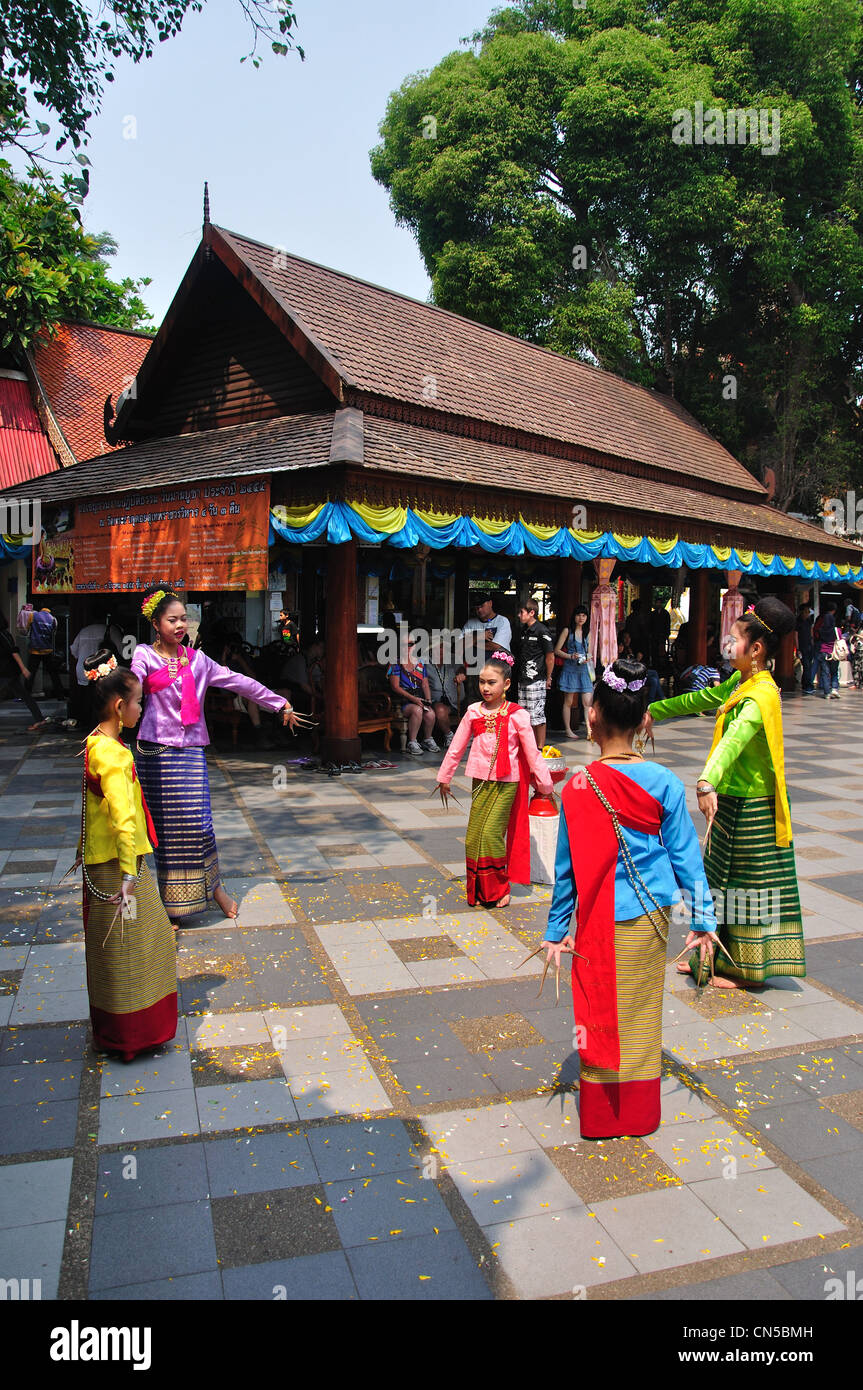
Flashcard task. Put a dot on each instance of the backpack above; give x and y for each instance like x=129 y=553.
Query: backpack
x=42 y=631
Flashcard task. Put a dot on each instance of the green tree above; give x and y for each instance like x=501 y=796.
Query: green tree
x=60 y=55
x=51 y=269
x=538 y=172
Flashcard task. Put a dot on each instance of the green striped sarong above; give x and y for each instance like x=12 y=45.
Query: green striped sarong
x=485 y=841
x=754 y=884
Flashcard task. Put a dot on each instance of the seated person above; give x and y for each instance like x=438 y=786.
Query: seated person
x=444 y=680
x=698 y=677
x=410 y=686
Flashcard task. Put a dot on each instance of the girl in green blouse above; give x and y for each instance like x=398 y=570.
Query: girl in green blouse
x=749 y=861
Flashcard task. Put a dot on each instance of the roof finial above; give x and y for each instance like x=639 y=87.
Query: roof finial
x=206 y=204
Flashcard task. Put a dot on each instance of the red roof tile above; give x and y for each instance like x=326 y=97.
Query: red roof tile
x=24 y=451
x=78 y=368
x=402 y=349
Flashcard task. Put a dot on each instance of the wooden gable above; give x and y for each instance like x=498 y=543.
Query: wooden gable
x=223 y=363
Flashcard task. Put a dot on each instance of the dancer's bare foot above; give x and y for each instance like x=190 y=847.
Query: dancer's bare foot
x=683 y=969
x=226 y=902
x=504 y=901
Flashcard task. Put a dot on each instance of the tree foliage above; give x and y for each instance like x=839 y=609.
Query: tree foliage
x=728 y=276
x=62 y=54
x=51 y=269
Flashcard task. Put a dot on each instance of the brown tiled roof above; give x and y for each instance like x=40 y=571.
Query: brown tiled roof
x=376 y=446
x=78 y=369
x=401 y=349
x=262 y=446
x=645 y=507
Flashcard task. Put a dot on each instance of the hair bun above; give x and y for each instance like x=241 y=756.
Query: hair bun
x=100 y=658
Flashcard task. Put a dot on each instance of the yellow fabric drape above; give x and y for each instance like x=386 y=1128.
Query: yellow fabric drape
x=764 y=691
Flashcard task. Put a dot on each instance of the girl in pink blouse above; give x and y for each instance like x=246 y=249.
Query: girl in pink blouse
x=171 y=763
x=502 y=760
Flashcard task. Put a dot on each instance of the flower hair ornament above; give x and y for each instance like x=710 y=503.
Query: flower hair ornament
x=618 y=683
x=503 y=656
x=751 y=609
x=104 y=670
x=149 y=606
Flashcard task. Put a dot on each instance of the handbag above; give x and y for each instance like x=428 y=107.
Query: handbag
x=840 y=650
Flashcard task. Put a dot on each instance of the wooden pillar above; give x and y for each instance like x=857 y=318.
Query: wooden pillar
x=569 y=590
x=341 y=742
x=699 y=594
x=783 y=672
x=307 y=600
x=461 y=599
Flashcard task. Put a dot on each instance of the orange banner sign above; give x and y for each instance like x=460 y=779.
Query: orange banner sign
x=209 y=536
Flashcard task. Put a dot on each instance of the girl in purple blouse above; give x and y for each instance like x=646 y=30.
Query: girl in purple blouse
x=171 y=762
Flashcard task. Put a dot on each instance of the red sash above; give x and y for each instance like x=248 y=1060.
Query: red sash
x=95 y=785
x=593 y=850
x=518 y=830
x=190 y=707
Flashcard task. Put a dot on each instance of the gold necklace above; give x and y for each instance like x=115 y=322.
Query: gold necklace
x=490 y=717
x=620 y=757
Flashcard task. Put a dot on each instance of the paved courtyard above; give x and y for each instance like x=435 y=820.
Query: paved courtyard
x=366 y=1099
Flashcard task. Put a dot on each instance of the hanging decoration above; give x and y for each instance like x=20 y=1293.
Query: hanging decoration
x=406 y=528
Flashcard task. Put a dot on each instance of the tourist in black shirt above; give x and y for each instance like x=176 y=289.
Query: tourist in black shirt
x=535 y=666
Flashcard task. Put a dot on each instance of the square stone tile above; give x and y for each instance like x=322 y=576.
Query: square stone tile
x=302 y=1055
x=169 y=1069
x=760 y=1032
x=244 y=1105
x=465 y=1136
x=706 y=1149
x=32 y=1193
x=151 y=1177
x=561 y=1252
x=42 y=1045
x=681 y=1103
x=156 y=1115
x=423 y=1268
x=198 y=1288
x=429 y=974
x=315 y=1021
x=825 y=1073
x=817 y=1277
x=324 y=1277
x=551 y=1119
x=611 y=1168
x=259 y=1163
x=36 y=1126
x=277 y=1225
x=157 y=1243
x=830 y=1019
x=496 y=1033
x=228 y=1030
x=767 y=1208
x=34 y=1252
x=839 y=1173
x=511 y=1186
x=387 y=1206
x=807 y=1129
x=377 y=979
x=692 y=1043
x=353 y=1090
x=661 y=1230
x=51 y=1006
x=361 y=1150
x=436 y=1078
x=43 y=1083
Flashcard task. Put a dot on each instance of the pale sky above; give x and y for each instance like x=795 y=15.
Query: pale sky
x=284 y=148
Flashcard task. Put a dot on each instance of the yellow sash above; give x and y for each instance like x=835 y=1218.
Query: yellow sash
x=764 y=691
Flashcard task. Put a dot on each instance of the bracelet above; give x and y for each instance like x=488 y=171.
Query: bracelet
x=702 y=788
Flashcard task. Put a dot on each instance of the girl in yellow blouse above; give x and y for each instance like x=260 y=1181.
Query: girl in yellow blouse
x=129 y=940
